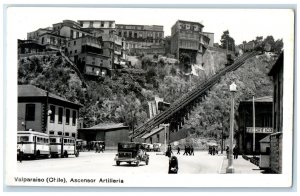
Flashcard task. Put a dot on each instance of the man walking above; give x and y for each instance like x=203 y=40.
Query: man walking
x=21 y=151
x=178 y=150
x=235 y=152
x=192 y=150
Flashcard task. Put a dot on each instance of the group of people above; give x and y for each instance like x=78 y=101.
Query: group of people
x=188 y=150
x=99 y=148
x=213 y=150
x=235 y=152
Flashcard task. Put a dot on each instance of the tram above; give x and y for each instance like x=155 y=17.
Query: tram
x=35 y=144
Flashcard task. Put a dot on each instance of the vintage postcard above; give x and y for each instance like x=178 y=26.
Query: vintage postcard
x=160 y=96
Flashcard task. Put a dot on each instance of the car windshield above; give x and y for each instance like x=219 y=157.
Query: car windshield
x=132 y=146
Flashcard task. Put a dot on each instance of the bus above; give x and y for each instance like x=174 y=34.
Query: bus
x=63 y=146
x=35 y=144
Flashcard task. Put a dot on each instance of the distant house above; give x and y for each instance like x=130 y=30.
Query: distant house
x=41 y=111
x=110 y=133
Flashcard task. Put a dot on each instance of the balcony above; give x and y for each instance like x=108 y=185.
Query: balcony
x=267 y=130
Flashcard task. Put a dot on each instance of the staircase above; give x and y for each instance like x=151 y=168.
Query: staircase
x=190 y=97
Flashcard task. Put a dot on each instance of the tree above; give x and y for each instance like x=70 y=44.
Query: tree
x=227 y=42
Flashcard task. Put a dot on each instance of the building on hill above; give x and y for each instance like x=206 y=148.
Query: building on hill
x=98 y=26
x=29 y=46
x=187 y=37
x=110 y=133
x=140 y=36
x=35 y=35
x=263 y=123
x=41 y=111
x=69 y=29
x=87 y=53
x=52 y=41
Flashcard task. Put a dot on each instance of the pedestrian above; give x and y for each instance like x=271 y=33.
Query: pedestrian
x=20 y=148
x=235 y=152
x=188 y=150
x=185 y=150
x=178 y=150
x=192 y=150
x=173 y=165
x=227 y=152
x=97 y=147
x=213 y=150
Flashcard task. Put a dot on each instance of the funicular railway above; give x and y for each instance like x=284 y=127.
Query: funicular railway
x=181 y=108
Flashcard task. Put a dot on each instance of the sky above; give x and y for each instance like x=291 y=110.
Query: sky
x=243 y=24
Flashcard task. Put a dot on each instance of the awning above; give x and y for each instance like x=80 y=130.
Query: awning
x=154 y=131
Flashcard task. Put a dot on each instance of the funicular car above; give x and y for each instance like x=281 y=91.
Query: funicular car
x=131 y=153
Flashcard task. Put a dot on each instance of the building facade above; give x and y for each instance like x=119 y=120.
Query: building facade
x=188 y=37
x=276 y=138
x=98 y=26
x=140 y=36
x=69 y=29
x=263 y=123
x=110 y=133
x=45 y=112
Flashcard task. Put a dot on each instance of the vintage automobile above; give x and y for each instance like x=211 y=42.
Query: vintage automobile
x=156 y=147
x=131 y=152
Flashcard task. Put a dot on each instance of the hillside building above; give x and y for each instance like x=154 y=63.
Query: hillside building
x=188 y=37
x=98 y=26
x=140 y=36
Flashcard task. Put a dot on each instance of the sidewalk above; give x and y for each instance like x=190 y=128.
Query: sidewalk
x=241 y=166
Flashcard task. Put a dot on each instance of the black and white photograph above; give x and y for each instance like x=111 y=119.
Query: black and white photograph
x=149 y=97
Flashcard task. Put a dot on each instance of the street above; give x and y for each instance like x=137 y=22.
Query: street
x=91 y=162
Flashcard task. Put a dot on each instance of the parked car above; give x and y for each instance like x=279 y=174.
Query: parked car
x=131 y=153
x=156 y=147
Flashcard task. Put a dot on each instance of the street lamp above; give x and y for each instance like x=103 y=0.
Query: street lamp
x=230 y=168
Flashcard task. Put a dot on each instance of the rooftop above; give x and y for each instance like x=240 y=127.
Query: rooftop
x=106 y=126
x=261 y=99
x=33 y=91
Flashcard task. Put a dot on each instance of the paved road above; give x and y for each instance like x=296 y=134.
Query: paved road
x=91 y=162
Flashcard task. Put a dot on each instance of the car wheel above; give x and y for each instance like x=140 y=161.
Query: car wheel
x=137 y=163
x=147 y=161
x=118 y=163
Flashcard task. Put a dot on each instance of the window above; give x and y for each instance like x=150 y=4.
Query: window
x=120 y=33
x=71 y=34
x=52 y=115
x=77 y=34
x=59 y=133
x=74 y=118
x=67 y=134
x=52 y=140
x=73 y=134
x=60 y=115
x=74 y=43
x=102 y=24
x=43 y=39
x=30 y=112
x=67 y=116
x=75 y=51
x=24 y=139
x=70 y=51
x=157 y=136
x=51 y=132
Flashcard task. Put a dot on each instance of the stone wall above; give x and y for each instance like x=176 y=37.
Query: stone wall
x=276 y=153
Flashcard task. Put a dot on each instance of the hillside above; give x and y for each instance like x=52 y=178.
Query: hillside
x=123 y=97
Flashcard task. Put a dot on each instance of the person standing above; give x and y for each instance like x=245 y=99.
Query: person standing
x=235 y=152
x=21 y=151
x=185 y=150
x=227 y=152
x=192 y=150
x=178 y=150
x=173 y=165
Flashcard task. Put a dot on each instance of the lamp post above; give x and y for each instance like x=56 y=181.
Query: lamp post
x=230 y=168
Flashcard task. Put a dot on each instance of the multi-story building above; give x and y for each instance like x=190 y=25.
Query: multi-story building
x=29 y=46
x=139 y=36
x=98 y=26
x=88 y=54
x=34 y=35
x=69 y=29
x=187 y=37
x=46 y=112
x=51 y=41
